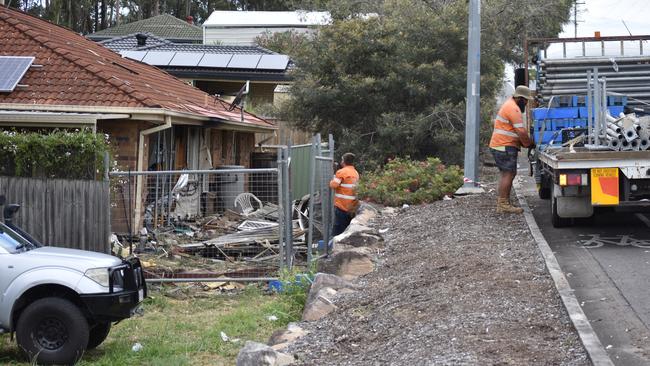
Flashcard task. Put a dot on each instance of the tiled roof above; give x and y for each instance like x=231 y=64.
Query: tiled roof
x=129 y=42
x=78 y=72
x=165 y=26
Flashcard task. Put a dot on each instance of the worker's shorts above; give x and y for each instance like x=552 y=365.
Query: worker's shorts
x=506 y=160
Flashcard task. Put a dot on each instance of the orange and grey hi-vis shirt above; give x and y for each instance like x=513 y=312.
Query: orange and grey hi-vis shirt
x=509 y=127
x=344 y=185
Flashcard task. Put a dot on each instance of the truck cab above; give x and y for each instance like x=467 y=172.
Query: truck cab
x=60 y=302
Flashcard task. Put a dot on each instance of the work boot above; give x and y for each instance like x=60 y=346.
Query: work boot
x=504 y=206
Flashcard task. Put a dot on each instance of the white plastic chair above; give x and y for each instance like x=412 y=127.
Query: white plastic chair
x=245 y=201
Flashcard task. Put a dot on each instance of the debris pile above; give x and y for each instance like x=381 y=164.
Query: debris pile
x=230 y=244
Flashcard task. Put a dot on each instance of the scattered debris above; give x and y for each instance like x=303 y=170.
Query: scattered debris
x=136 y=347
x=272 y=318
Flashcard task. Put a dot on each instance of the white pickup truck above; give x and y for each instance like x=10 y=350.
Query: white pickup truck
x=58 y=301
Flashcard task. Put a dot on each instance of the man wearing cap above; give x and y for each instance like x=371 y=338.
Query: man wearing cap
x=507 y=138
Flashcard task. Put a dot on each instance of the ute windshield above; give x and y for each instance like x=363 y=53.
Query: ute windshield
x=11 y=241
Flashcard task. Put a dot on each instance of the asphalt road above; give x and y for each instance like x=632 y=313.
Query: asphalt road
x=607 y=263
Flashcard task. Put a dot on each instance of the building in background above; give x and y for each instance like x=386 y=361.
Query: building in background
x=242 y=27
x=164 y=26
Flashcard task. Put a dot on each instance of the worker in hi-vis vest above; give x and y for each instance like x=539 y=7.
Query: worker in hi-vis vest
x=507 y=138
x=344 y=185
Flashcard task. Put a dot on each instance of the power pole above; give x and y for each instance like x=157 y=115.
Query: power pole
x=473 y=107
x=576 y=11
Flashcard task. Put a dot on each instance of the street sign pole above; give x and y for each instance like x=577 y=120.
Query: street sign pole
x=473 y=108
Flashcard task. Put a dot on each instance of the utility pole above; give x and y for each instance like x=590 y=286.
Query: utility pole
x=473 y=107
x=576 y=3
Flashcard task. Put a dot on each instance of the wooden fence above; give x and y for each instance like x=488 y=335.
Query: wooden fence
x=62 y=213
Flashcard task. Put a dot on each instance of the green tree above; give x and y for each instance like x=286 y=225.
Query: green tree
x=391 y=81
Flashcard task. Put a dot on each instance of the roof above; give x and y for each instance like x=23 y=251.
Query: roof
x=165 y=26
x=78 y=72
x=153 y=42
x=193 y=60
x=224 y=18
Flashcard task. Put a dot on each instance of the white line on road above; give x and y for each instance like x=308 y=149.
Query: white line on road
x=643 y=218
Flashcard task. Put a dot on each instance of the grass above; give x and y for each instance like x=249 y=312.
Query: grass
x=188 y=332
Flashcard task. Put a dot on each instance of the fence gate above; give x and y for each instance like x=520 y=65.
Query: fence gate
x=62 y=213
x=321 y=198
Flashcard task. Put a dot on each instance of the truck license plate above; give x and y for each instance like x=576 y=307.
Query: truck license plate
x=140 y=295
x=604 y=186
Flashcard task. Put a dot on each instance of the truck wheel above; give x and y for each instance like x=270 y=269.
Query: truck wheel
x=544 y=191
x=98 y=334
x=52 y=331
x=556 y=220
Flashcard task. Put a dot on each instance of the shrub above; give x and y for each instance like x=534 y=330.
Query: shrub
x=413 y=182
x=59 y=154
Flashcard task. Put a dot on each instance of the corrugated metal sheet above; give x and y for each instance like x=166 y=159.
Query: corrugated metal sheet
x=62 y=213
x=300 y=165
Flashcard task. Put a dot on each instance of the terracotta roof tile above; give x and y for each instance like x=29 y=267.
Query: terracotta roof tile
x=76 y=71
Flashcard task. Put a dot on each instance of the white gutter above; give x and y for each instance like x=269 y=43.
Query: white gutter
x=140 y=166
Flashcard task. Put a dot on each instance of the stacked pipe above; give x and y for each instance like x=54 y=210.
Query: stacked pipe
x=625 y=75
x=627 y=133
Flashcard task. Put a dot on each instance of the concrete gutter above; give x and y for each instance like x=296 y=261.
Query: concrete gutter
x=594 y=348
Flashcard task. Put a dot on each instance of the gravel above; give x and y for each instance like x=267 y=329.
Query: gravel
x=458 y=284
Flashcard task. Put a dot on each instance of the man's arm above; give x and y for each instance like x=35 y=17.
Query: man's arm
x=336 y=181
x=516 y=118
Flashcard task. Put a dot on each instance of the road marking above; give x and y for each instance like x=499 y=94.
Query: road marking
x=643 y=218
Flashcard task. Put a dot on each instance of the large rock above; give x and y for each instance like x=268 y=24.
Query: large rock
x=324 y=280
x=282 y=338
x=258 y=354
x=357 y=235
x=348 y=264
x=365 y=213
x=320 y=305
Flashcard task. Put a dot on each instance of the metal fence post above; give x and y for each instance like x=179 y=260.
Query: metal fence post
x=331 y=195
x=288 y=208
x=312 y=185
x=281 y=227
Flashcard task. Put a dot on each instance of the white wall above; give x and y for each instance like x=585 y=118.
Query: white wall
x=243 y=36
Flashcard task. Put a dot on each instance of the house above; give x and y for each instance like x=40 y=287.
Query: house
x=72 y=82
x=242 y=27
x=215 y=69
x=165 y=26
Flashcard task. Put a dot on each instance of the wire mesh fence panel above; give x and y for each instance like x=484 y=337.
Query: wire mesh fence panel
x=320 y=211
x=201 y=224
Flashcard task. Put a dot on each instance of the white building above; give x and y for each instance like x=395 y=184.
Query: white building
x=242 y=27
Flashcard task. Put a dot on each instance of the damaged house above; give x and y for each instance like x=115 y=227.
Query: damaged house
x=154 y=120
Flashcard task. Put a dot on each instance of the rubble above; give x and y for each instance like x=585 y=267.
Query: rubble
x=258 y=354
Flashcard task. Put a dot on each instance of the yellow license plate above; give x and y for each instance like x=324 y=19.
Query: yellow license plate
x=604 y=186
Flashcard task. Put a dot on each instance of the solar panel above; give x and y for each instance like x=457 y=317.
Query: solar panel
x=134 y=55
x=12 y=70
x=273 y=62
x=158 y=58
x=186 y=59
x=244 y=61
x=215 y=60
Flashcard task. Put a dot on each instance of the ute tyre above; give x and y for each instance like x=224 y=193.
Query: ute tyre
x=98 y=334
x=52 y=331
x=556 y=220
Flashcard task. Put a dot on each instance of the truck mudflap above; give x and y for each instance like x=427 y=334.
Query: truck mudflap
x=127 y=289
x=605 y=187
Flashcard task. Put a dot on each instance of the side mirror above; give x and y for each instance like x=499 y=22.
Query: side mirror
x=10 y=210
x=2 y=199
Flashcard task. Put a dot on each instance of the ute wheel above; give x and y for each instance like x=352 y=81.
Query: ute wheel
x=556 y=220
x=52 y=331
x=98 y=334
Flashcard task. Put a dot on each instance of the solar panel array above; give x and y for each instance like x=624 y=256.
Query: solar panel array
x=12 y=70
x=215 y=60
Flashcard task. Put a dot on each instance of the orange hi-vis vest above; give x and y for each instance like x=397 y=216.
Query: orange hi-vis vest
x=344 y=185
x=509 y=127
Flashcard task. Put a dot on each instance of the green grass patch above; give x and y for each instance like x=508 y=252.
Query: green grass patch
x=188 y=332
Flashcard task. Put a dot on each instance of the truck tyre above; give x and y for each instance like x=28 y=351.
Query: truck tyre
x=545 y=188
x=556 y=220
x=52 y=330
x=98 y=334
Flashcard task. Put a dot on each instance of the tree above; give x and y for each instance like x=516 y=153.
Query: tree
x=392 y=82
